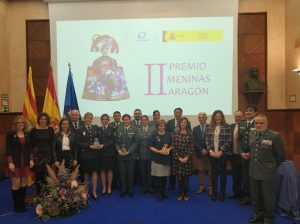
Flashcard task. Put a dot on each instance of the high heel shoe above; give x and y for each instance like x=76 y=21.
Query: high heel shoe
x=103 y=192
x=108 y=192
x=95 y=197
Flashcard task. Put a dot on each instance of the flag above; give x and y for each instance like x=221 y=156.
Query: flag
x=29 y=107
x=51 y=103
x=70 y=98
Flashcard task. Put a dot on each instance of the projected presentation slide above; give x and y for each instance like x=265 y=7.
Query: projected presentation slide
x=148 y=64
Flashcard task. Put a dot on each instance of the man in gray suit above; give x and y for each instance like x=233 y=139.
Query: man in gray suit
x=266 y=154
x=144 y=133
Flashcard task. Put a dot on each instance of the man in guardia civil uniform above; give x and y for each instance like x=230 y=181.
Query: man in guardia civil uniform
x=243 y=148
x=266 y=154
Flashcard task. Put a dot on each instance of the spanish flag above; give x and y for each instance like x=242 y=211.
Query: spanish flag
x=29 y=107
x=51 y=103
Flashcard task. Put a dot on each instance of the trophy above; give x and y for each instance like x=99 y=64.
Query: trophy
x=123 y=149
x=96 y=142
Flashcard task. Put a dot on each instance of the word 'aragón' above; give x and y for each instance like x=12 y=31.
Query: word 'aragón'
x=188 y=91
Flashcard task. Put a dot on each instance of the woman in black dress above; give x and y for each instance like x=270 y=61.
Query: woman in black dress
x=89 y=146
x=42 y=138
x=159 y=145
x=107 y=137
x=20 y=160
x=64 y=147
x=183 y=148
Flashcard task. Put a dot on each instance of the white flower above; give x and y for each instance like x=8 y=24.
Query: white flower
x=74 y=184
x=84 y=195
x=39 y=210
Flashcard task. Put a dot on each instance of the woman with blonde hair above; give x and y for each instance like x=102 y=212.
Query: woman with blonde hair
x=20 y=160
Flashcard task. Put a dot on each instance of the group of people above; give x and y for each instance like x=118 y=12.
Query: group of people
x=148 y=152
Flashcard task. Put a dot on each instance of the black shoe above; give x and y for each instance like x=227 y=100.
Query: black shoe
x=144 y=190
x=234 y=196
x=130 y=194
x=245 y=201
x=171 y=188
x=122 y=194
x=269 y=221
x=95 y=197
x=222 y=197
x=214 y=197
x=150 y=190
x=256 y=218
x=164 y=195
x=159 y=197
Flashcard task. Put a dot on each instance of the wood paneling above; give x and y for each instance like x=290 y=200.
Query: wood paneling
x=251 y=53
x=38 y=56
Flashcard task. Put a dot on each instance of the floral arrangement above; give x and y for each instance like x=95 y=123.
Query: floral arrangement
x=62 y=195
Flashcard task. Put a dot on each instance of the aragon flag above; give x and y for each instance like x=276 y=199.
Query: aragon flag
x=29 y=107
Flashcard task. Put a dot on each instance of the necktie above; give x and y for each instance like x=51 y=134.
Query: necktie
x=76 y=125
x=248 y=124
x=89 y=128
x=202 y=129
x=235 y=135
x=117 y=125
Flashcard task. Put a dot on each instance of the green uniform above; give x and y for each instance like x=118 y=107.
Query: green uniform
x=266 y=154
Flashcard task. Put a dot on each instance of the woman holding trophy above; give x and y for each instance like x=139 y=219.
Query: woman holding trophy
x=126 y=145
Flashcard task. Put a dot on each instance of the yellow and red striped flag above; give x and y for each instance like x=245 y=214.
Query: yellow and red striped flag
x=51 y=103
x=29 y=107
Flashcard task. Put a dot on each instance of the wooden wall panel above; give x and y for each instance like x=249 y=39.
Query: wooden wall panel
x=254 y=23
x=251 y=53
x=38 y=56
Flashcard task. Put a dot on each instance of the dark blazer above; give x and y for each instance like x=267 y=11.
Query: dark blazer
x=108 y=138
x=15 y=150
x=171 y=126
x=264 y=157
x=129 y=140
x=57 y=146
x=225 y=138
x=114 y=124
x=243 y=136
x=87 y=138
x=72 y=127
x=199 y=140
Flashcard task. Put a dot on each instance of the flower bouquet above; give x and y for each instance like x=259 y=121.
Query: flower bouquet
x=62 y=195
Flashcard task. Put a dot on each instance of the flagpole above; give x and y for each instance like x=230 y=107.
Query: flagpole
x=69 y=64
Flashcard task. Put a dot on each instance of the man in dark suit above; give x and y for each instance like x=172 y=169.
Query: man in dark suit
x=236 y=163
x=202 y=154
x=75 y=125
x=75 y=121
x=173 y=125
x=266 y=154
x=243 y=148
